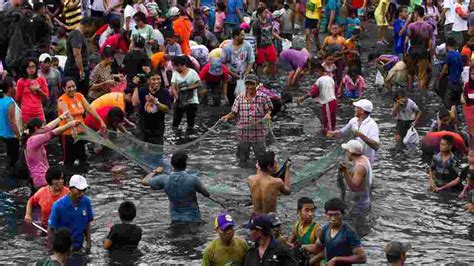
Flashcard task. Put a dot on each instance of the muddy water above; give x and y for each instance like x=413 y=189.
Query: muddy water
x=402 y=209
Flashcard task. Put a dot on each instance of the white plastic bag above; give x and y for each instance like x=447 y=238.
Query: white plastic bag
x=412 y=137
x=239 y=88
x=379 y=79
x=285 y=44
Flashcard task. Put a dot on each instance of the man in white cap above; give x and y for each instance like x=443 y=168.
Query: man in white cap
x=364 y=128
x=53 y=76
x=74 y=211
x=358 y=180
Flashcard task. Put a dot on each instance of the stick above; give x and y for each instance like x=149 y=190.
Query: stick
x=218 y=202
x=39 y=227
x=342 y=186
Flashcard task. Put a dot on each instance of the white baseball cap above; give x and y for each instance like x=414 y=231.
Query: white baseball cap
x=365 y=105
x=174 y=11
x=79 y=182
x=43 y=57
x=353 y=146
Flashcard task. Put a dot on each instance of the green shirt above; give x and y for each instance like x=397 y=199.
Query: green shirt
x=219 y=255
x=46 y=261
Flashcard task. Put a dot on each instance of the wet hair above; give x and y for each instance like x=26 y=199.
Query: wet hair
x=127 y=211
x=37 y=6
x=140 y=16
x=302 y=201
x=66 y=80
x=419 y=10
x=109 y=51
x=220 y=6
x=114 y=23
x=236 y=32
x=116 y=114
x=266 y=160
x=62 y=240
x=392 y=258
x=5 y=86
x=335 y=204
x=451 y=42
x=400 y=93
x=54 y=172
x=449 y=139
x=178 y=160
x=443 y=113
x=260 y=10
x=33 y=124
x=353 y=71
x=179 y=60
x=138 y=41
x=25 y=64
x=373 y=56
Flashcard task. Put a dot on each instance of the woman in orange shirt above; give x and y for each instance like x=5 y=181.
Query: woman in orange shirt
x=46 y=196
x=77 y=105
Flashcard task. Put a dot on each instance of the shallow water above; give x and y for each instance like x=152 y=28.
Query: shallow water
x=402 y=208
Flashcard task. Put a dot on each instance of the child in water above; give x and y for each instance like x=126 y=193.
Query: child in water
x=352 y=85
x=124 y=236
x=468 y=192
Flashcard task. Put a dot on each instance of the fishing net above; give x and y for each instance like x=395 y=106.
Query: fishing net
x=150 y=156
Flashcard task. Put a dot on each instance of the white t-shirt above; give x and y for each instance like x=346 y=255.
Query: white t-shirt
x=159 y=37
x=191 y=78
x=449 y=19
x=98 y=5
x=326 y=86
x=129 y=12
x=369 y=128
x=459 y=24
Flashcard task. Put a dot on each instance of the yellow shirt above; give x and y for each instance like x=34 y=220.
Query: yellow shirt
x=110 y=99
x=313 y=9
x=216 y=254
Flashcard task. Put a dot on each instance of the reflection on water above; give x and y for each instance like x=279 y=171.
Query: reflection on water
x=402 y=208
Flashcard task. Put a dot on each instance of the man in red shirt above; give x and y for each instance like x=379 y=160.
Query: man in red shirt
x=214 y=75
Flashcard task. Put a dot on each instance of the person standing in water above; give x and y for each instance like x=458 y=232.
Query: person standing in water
x=341 y=243
x=358 y=179
x=181 y=188
x=250 y=109
x=365 y=129
x=265 y=188
x=443 y=175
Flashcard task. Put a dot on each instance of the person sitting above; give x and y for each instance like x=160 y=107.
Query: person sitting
x=443 y=174
x=124 y=236
x=181 y=188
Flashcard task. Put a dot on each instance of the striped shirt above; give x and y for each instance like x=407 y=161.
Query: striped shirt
x=72 y=14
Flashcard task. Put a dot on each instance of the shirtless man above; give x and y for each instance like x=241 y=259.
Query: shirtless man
x=265 y=188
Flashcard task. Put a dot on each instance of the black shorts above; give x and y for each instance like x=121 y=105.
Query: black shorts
x=403 y=126
x=310 y=23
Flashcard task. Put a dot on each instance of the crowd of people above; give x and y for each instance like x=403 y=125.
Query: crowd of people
x=126 y=65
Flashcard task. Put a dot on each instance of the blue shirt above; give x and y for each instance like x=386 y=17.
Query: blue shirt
x=343 y=243
x=333 y=5
x=65 y=214
x=351 y=24
x=455 y=66
x=399 y=41
x=5 y=128
x=232 y=6
x=181 y=188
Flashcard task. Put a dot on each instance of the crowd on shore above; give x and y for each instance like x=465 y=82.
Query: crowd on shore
x=125 y=65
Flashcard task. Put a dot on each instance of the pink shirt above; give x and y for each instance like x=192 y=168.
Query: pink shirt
x=36 y=156
x=31 y=103
x=219 y=23
x=350 y=85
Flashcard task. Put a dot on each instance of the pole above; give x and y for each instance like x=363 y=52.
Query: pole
x=39 y=227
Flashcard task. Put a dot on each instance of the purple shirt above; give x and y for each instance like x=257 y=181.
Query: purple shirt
x=36 y=156
x=294 y=57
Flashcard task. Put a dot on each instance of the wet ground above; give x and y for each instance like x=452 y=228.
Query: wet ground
x=402 y=208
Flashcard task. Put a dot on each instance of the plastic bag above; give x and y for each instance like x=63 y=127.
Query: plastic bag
x=379 y=79
x=239 y=88
x=286 y=44
x=412 y=137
